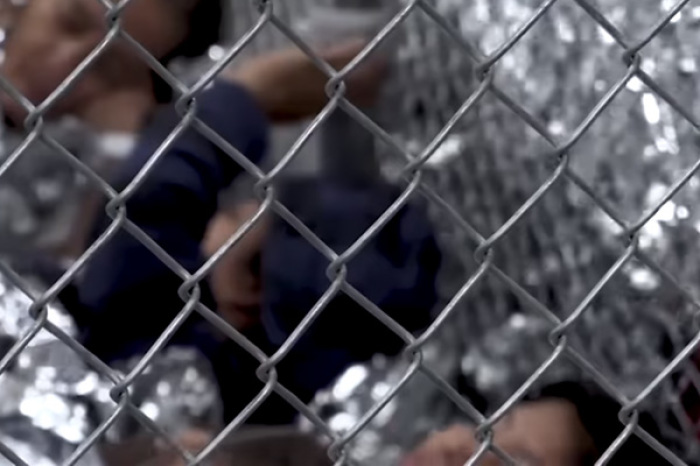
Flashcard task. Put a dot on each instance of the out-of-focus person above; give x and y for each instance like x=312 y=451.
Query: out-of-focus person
x=119 y=91
x=127 y=296
x=235 y=281
x=116 y=95
x=277 y=277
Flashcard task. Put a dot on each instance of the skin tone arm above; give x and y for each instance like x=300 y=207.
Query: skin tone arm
x=541 y=433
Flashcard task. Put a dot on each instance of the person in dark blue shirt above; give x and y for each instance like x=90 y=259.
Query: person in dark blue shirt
x=127 y=296
x=132 y=296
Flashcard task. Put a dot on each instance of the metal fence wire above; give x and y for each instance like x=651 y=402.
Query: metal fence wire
x=556 y=144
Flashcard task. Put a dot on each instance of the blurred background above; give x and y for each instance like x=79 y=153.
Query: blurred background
x=485 y=169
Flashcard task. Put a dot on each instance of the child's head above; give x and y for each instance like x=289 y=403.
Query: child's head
x=49 y=39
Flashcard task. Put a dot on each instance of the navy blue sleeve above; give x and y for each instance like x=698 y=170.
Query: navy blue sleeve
x=128 y=293
x=397 y=270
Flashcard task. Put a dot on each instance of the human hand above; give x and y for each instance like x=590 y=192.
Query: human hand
x=288 y=85
x=542 y=433
x=451 y=447
x=235 y=281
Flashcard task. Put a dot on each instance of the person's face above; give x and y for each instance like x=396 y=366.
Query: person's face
x=50 y=38
x=235 y=281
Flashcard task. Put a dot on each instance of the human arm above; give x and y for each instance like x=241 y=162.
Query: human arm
x=564 y=424
x=542 y=433
x=130 y=295
x=124 y=281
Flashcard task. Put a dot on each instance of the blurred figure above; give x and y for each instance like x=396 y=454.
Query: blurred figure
x=270 y=282
x=50 y=39
x=235 y=280
x=546 y=433
x=124 y=283
x=127 y=296
x=116 y=95
x=120 y=90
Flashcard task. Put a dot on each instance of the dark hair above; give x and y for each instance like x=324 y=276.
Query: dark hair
x=599 y=416
x=204 y=24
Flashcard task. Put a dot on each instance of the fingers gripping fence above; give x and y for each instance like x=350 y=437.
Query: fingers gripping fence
x=558 y=160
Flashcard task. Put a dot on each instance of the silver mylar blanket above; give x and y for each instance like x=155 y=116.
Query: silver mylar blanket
x=493 y=162
x=51 y=401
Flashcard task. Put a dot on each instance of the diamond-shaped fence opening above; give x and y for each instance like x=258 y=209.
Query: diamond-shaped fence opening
x=553 y=145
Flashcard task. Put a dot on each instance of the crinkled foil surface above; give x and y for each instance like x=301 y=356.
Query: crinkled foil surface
x=51 y=401
x=46 y=394
x=493 y=162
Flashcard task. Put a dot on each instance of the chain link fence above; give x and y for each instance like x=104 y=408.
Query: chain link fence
x=533 y=160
